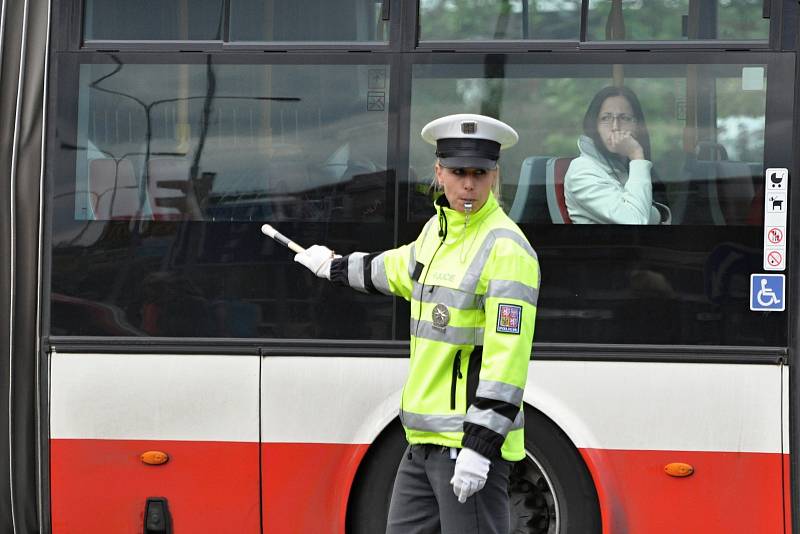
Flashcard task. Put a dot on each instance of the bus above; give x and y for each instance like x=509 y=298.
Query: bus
x=168 y=368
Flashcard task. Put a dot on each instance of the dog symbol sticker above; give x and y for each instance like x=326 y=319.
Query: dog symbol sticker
x=776 y=202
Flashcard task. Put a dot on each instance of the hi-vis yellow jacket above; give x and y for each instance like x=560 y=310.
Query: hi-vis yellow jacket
x=473 y=285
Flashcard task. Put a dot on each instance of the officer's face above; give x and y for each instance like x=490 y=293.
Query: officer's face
x=466 y=185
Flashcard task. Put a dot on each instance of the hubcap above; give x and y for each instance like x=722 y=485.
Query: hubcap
x=534 y=507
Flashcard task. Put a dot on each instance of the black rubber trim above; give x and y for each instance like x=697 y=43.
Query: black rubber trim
x=367 y=269
x=454 y=379
x=474 y=374
x=399 y=349
x=418 y=267
x=509 y=411
x=339 y=271
x=482 y=440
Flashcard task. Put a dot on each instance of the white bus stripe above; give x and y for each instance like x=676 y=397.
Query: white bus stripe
x=136 y=396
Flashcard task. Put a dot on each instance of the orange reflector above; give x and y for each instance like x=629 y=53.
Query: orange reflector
x=154 y=457
x=678 y=469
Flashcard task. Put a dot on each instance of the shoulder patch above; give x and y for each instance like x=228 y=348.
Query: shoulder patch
x=509 y=318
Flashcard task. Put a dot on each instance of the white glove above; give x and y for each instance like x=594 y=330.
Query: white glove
x=470 y=474
x=317 y=258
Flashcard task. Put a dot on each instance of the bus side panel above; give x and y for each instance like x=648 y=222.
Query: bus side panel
x=787 y=494
x=101 y=486
x=787 y=472
x=108 y=409
x=306 y=485
x=630 y=419
x=729 y=493
x=319 y=416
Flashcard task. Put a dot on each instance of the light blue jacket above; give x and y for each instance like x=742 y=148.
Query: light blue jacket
x=595 y=195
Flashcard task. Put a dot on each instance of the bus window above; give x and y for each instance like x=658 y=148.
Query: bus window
x=153 y=20
x=477 y=20
x=308 y=20
x=169 y=178
x=705 y=125
x=669 y=20
x=608 y=282
x=277 y=142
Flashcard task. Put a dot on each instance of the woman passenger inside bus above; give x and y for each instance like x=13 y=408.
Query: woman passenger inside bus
x=611 y=182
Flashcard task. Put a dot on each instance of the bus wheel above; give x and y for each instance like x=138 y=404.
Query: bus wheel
x=551 y=490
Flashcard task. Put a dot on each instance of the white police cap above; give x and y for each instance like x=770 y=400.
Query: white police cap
x=466 y=140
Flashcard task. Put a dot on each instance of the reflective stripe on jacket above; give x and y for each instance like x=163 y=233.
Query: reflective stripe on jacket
x=473 y=285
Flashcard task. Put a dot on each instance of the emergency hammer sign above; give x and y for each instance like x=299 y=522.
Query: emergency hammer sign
x=268 y=230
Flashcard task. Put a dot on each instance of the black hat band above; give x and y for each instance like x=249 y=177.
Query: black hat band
x=467 y=147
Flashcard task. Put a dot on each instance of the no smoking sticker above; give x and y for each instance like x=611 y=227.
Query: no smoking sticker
x=774 y=259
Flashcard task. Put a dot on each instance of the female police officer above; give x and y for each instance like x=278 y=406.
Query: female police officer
x=473 y=280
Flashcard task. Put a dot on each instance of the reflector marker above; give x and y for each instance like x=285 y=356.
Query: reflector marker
x=678 y=469
x=154 y=457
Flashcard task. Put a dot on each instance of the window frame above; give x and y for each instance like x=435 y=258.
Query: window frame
x=72 y=11
x=780 y=38
x=404 y=37
x=780 y=76
x=402 y=52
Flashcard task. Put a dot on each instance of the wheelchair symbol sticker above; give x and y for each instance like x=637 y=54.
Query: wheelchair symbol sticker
x=767 y=292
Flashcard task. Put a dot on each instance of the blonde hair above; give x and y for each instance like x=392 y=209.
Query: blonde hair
x=496 y=187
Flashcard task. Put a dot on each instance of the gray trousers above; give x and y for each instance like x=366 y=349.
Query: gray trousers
x=423 y=501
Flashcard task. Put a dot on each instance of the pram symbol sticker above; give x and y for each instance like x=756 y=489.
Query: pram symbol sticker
x=777 y=179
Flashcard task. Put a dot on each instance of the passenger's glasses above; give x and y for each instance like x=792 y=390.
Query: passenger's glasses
x=622 y=118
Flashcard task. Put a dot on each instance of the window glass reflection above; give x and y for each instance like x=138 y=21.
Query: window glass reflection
x=613 y=281
x=697 y=129
x=676 y=20
x=232 y=142
x=308 y=20
x=479 y=20
x=158 y=20
x=160 y=195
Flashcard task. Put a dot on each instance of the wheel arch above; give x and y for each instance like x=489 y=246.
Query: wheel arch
x=389 y=429
x=578 y=432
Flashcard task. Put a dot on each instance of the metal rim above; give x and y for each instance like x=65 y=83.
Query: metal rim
x=534 y=504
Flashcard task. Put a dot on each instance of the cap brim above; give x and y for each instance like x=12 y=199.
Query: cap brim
x=465 y=162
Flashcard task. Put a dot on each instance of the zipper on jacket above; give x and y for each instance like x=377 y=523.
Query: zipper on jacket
x=456 y=375
x=422 y=286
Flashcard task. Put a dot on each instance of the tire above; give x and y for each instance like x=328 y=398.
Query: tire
x=551 y=490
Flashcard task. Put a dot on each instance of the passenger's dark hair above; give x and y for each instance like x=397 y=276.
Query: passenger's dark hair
x=590 y=124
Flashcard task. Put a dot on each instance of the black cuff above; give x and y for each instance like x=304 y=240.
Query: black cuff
x=368 y=285
x=482 y=440
x=507 y=410
x=339 y=271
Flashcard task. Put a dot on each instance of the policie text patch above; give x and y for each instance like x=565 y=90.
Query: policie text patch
x=509 y=318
